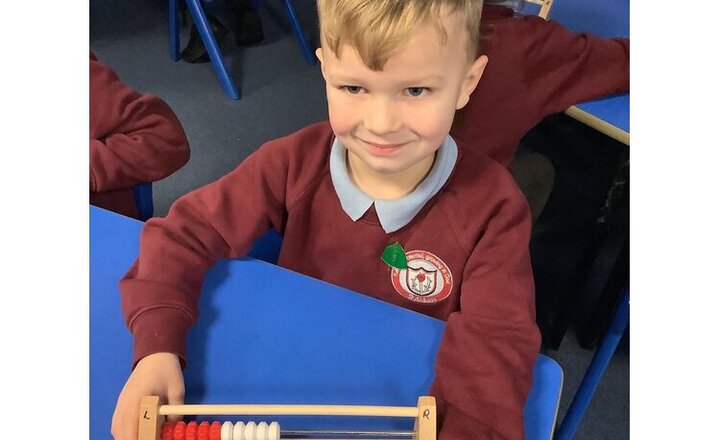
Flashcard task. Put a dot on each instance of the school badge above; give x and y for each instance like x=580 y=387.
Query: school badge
x=418 y=275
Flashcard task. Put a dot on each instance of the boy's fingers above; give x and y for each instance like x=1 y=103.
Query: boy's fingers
x=176 y=396
x=126 y=427
x=174 y=399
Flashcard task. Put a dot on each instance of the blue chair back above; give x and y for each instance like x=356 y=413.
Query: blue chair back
x=541 y=408
x=143 y=200
x=267 y=247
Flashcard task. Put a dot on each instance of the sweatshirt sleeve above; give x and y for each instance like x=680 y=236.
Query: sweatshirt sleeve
x=564 y=68
x=134 y=137
x=483 y=372
x=160 y=292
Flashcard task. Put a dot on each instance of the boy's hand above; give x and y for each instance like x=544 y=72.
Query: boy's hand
x=158 y=374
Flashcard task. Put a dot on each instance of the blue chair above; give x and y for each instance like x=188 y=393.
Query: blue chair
x=208 y=39
x=603 y=354
x=541 y=408
x=143 y=200
x=540 y=412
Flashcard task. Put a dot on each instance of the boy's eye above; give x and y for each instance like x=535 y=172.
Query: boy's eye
x=353 y=90
x=416 y=91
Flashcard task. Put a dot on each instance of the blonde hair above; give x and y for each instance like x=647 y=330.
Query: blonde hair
x=377 y=29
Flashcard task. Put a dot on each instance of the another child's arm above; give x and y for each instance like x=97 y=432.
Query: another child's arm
x=134 y=137
x=483 y=372
x=563 y=68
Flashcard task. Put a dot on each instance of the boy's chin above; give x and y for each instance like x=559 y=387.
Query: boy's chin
x=388 y=170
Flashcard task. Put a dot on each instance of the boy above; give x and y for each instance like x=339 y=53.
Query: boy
x=134 y=138
x=383 y=171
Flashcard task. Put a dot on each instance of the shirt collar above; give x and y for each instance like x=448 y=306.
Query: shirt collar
x=393 y=214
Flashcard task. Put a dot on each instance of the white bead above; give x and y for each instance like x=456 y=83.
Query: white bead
x=226 y=432
x=249 y=433
x=261 y=432
x=238 y=431
x=273 y=431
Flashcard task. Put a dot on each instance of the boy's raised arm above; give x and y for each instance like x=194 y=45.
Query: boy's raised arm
x=483 y=372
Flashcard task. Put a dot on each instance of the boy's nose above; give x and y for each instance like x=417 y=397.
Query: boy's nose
x=381 y=116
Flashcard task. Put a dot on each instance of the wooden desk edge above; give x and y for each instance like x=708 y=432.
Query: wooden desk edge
x=599 y=125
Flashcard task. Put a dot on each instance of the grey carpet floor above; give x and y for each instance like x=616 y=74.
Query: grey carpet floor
x=281 y=93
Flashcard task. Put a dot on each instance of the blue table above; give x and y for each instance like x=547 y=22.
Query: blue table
x=269 y=335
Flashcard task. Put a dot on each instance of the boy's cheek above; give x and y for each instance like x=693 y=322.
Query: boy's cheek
x=432 y=125
x=341 y=120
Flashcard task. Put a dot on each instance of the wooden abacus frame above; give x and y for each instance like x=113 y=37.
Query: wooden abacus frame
x=151 y=413
x=545 y=6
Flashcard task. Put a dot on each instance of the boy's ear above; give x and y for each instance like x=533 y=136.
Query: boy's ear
x=319 y=55
x=471 y=80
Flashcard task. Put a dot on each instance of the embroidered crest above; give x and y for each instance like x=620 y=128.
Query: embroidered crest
x=426 y=279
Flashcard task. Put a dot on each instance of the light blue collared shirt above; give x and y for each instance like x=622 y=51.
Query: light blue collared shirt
x=396 y=213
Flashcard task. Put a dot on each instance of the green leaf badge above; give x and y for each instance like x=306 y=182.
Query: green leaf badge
x=394 y=256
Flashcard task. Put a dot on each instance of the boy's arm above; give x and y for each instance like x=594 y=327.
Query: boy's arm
x=159 y=294
x=483 y=372
x=564 y=68
x=134 y=137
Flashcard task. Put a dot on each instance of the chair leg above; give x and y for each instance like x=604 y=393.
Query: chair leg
x=594 y=373
x=299 y=34
x=212 y=48
x=174 y=30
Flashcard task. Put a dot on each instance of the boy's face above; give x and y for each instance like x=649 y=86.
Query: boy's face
x=392 y=121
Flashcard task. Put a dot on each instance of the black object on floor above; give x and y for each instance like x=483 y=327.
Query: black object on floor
x=249 y=30
x=195 y=51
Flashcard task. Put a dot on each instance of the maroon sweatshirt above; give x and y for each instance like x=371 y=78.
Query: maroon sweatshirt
x=468 y=246
x=134 y=138
x=536 y=68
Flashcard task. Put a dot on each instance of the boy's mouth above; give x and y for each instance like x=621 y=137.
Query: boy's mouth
x=383 y=149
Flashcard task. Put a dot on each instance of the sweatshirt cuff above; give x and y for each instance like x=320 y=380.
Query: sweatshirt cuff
x=163 y=329
x=455 y=424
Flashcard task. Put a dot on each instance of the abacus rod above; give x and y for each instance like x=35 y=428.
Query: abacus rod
x=302 y=410
x=307 y=432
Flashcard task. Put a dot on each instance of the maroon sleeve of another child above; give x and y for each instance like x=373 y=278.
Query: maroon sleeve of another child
x=134 y=137
x=565 y=68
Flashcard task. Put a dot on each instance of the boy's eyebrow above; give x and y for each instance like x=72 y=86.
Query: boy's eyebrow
x=426 y=78
x=342 y=78
x=420 y=79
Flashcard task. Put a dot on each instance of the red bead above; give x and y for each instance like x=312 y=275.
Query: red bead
x=179 y=431
x=167 y=431
x=202 y=432
x=191 y=431
x=215 y=430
